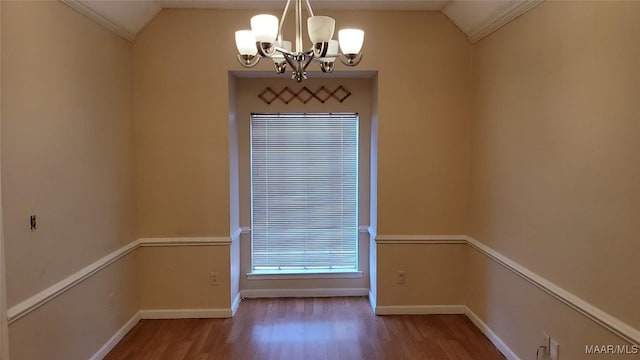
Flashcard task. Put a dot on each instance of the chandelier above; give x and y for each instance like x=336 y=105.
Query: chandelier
x=264 y=40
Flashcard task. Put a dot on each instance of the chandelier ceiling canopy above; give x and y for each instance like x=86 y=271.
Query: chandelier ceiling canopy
x=265 y=40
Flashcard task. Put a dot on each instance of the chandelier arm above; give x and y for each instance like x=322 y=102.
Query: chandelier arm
x=309 y=9
x=291 y=59
x=308 y=58
x=282 y=19
x=283 y=51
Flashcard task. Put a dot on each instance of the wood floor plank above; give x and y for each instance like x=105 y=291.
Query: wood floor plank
x=307 y=328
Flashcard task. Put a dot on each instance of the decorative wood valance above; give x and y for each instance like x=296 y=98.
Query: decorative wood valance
x=304 y=95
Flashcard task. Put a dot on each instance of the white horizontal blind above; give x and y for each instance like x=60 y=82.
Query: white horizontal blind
x=304 y=192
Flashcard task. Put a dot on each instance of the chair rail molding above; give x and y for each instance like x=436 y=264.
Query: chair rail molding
x=30 y=304
x=592 y=312
x=599 y=316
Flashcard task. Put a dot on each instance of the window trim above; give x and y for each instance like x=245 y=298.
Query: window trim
x=306 y=275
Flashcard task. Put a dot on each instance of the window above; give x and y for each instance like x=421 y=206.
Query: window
x=304 y=192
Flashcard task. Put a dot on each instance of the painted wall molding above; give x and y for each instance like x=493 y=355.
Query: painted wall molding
x=115 y=339
x=419 y=309
x=274 y=293
x=484 y=30
x=84 y=8
x=186 y=241
x=246 y=230
x=185 y=313
x=32 y=303
x=236 y=304
x=421 y=239
x=372 y=232
x=235 y=235
x=449 y=309
x=372 y=300
x=599 y=316
x=307 y=276
x=486 y=330
x=592 y=312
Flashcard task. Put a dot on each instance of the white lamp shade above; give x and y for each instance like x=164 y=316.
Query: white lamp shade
x=278 y=57
x=320 y=28
x=332 y=52
x=351 y=40
x=264 y=27
x=246 y=42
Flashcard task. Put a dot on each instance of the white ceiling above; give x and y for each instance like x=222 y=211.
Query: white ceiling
x=316 y=4
x=476 y=18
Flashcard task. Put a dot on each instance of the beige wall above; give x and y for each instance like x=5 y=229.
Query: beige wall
x=67 y=156
x=436 y=274
x=182 y=111
x=555 y=168
x=182 y=117
x=177 y=277
x=76 y=324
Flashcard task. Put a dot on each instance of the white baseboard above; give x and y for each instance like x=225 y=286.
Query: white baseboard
x=274 y=293
x=185 y=313
x=115 y=339
x=235 y=304
x=420 y=309
x=447 y=309
x=486 y=330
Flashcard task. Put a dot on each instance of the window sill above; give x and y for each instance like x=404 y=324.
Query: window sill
x=288 y=275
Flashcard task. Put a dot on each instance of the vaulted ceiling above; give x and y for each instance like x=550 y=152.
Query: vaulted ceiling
x=476 y=18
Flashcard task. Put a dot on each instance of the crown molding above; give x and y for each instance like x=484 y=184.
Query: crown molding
x=496 y=22
x=84 y=7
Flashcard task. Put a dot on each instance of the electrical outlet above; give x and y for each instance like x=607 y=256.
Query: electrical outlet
x=554 y=348
x=401 y=277
x=213 y=278
x=111 y=302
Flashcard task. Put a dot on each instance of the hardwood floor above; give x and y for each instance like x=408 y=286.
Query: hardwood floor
x=307 y=328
